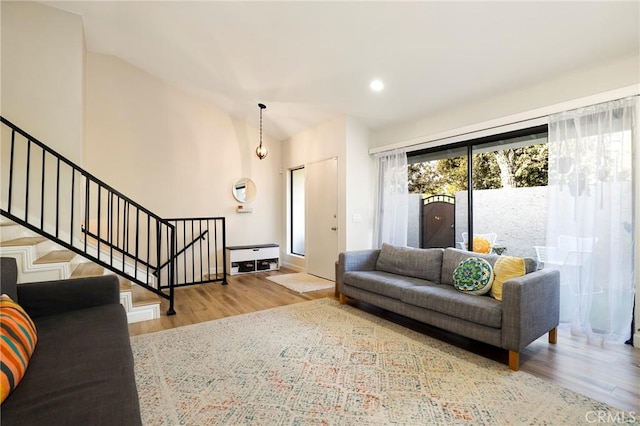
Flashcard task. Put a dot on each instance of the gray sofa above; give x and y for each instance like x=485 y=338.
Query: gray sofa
x=81 y=372
x=418 y=283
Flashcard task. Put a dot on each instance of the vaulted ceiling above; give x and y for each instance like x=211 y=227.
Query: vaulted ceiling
x=309 y=61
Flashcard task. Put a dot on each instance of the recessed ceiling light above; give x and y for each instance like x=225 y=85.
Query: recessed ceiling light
x=376 y=85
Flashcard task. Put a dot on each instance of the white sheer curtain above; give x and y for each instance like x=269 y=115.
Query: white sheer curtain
x=590 y=217
x=392 y=198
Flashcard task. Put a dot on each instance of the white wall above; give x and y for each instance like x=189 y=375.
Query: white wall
x=175 y=154
x=42 y=81
x=322 y=142
x=359 y=188
x=42 y=91
x=571 y=85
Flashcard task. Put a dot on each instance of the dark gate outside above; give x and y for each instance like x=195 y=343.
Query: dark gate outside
x=438 y=222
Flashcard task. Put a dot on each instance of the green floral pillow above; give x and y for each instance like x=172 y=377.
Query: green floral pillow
x=473 y=276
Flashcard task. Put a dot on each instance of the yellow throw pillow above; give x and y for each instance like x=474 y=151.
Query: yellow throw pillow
x=481 y=245
x=505 y=268
x=18 y=337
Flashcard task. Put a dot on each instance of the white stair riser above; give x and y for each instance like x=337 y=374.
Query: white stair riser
x=28 y=271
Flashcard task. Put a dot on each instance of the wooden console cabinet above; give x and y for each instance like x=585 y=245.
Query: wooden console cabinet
x=250 y=259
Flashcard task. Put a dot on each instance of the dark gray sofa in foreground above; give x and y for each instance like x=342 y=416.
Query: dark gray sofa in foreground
x=81 y=372
x=418 y=283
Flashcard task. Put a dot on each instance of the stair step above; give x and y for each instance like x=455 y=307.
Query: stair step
x=56 y=256
x=24 y=241
x=87 y=269
x=139 y=295
x=142 y=296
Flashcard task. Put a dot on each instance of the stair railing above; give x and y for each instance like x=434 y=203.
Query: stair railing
x=50 y=195
x=202 y=240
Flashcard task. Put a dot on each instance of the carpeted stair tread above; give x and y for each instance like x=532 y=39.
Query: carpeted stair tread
x=87 y=269
x=24 y=241
x=56 y=256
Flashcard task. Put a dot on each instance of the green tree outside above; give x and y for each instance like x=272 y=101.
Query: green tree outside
x=507 y=168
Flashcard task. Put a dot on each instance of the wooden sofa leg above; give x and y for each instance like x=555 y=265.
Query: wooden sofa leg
x=553 y=335
x=342 y=299
x=514 y=360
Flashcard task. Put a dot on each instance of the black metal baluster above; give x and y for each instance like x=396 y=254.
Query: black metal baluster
x=184 y=244
x=148 y=246
x=86 y=211
x=125 y=237
x=110 y=226
x=200 y=245
x=224 y=252
x=44 y=155
x=193 y=254
x=118 y=224
x=99 y=230
x=158 y=250
x=135 y=261
x=171 y=310
x=215 y=239
x=26 y=201
x=58 y=198
x=11 y=161
x=73 y=196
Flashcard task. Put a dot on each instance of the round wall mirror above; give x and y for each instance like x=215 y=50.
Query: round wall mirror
x=244 y=190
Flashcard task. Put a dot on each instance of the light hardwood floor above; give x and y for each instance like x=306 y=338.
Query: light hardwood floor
x=610 y=375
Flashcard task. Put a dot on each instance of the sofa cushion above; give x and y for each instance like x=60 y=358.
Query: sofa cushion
x=18 y=337
x=81 y=372
x=383 y=283
x=473 y=276
x=9 y=277
x=506 y=267
x=411 y=262
x=447 y=300
x=452 y=257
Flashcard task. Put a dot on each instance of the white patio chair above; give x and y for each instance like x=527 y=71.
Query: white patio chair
x=570 y=256
x=491 y=237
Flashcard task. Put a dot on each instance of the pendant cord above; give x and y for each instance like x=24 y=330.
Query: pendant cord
x=260 y=127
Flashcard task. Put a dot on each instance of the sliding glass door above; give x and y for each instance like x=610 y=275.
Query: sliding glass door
x=509 y=194
x=505 y=209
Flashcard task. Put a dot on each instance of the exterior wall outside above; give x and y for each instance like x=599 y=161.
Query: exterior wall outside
x=175 y=154
x=413 y=224
x=517 y=215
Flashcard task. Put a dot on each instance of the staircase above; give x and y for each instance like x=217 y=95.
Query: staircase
x=40 y=259
x=60 y=221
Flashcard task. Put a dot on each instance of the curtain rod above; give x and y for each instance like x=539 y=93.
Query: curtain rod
x=508 y=123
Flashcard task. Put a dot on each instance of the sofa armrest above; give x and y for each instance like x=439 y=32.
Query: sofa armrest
x=55 y=297
x=530 y=308
x=359 y=260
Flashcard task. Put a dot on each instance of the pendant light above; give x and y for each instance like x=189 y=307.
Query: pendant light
x=261 y=151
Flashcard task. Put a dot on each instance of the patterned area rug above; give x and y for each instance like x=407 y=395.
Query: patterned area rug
x=301 y=282
x=319 y=362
